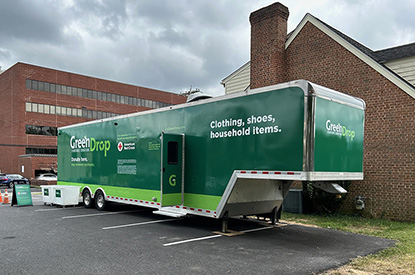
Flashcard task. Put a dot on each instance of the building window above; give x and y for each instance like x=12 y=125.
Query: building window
x=41 y=130
x=41 y=151
x=58 y=89
x=92 y=94
x=34 y=85
x=28 y=107
x=47 y=109
x=34 y=107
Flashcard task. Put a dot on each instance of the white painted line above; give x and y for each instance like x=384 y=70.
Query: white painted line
x=256 y=229
x=55 y=209
x=214 y=236
x=100 y=214
x=193 y=240
x=137 y=224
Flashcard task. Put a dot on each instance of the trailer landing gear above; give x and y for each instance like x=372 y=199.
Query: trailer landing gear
x=225 y=231
x=276 y=215
x=225 y=221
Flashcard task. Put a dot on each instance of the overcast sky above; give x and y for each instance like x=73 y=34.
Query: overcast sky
x=172 y=45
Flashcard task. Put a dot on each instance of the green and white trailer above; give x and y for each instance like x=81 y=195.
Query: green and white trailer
x=236 y=154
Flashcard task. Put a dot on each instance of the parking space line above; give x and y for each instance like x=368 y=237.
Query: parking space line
x=55 y=209
x=193 y=240
x=257 y=229
x=137 y=224
x=213 y=236
x=100 y=214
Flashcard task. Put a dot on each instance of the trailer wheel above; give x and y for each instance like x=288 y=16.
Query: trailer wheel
x=87 y=199
x=100 y=202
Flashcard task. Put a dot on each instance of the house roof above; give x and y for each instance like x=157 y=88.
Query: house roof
x=372 y=58
x=395 y=53
x=380 y=56
x=350 y=40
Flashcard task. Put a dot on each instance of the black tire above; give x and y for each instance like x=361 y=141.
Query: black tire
x=100 y=202
x=87 y=199
x=11 y=184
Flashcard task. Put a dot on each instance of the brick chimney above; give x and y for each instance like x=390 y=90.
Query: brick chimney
x=268 y=35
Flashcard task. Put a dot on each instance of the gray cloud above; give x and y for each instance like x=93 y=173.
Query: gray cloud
x=100 y=18
x=29 y=20
x=171 y=45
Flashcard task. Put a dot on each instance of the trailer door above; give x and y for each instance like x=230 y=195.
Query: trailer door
x=172 y=169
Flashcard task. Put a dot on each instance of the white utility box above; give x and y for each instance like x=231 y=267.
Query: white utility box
x=48 y=194
x=65 y=195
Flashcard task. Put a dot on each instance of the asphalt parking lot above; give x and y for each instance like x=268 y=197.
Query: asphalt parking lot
x=43 y=239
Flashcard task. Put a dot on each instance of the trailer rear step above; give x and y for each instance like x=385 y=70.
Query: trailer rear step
x=175 y=213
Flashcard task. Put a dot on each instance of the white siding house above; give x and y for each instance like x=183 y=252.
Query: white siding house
x=404 y=67
x=239 y=80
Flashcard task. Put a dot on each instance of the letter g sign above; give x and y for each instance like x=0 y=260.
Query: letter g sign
x=172 y=180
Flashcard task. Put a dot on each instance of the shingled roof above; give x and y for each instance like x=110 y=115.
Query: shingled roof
x=380 y=56
x=350 y=40
x=375 y=59
x=395 y=53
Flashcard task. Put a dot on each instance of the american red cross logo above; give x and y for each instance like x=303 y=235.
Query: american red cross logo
x=120 y=146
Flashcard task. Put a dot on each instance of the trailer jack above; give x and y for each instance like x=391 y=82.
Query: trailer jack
x=225 y=221
x=276 y=215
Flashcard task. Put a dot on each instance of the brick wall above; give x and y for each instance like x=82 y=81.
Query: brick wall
x=37 y=162
x=389 y=149
x=13 y=115
x=389 y=145
x=268 y=34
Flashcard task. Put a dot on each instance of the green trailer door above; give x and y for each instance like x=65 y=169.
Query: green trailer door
x=172 y=156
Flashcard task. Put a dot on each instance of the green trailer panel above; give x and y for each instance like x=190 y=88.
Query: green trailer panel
x=338 y=137
x=265 y=138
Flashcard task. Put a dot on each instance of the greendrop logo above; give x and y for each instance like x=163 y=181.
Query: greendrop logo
x=90 y=144
x=338 y=129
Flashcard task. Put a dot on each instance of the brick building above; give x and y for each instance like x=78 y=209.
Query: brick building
x=384 y=79
x=36 y=100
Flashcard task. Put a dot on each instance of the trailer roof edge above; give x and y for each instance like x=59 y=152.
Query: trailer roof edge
x=301 y=83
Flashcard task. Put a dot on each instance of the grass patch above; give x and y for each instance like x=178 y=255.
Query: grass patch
x=399 y=259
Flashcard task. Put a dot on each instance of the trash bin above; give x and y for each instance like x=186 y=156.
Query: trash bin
x=65 y=195
x=48 y=194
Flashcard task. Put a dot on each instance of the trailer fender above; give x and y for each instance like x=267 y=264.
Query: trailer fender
x=89 y=189
x=103 y=192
